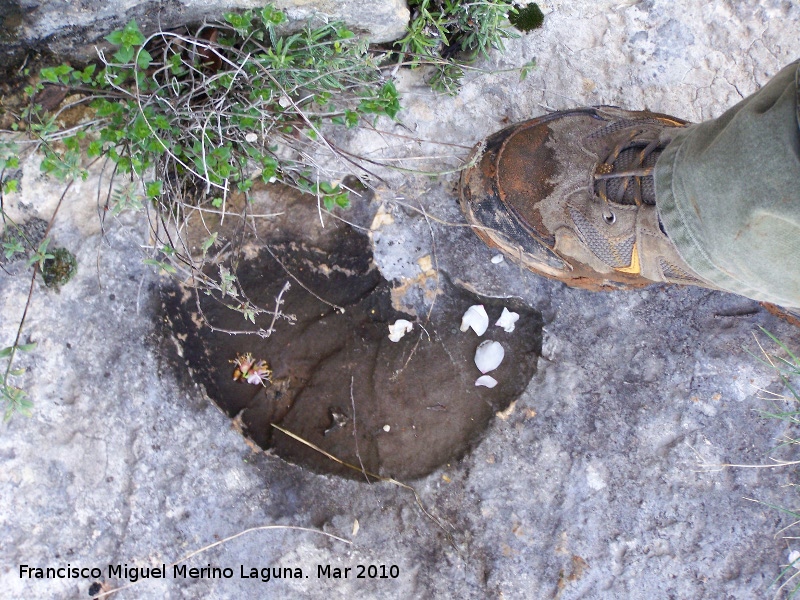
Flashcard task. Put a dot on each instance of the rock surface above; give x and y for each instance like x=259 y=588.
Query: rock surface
x=591 y=485
x=73 y=28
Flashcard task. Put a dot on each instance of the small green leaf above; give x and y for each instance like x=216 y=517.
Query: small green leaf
x=227 y=279
x=343 y=200
x=95 y=148
x=161 y=265
x=86 y=74
x=240 y=22
x=249 y=314
x=71 y=143
x=270 y=15
x=176 y=64
x=124 y=55
x=131 y=35
x=10 y=186
x=210 y=241
x=13 y=247
x=344 y=34
x=125 y=197
x=526 y=68
x=41 y=255
x=6 y=352
x=153 y=189
x=49 y=74
x=115 y=37
x=144 y=59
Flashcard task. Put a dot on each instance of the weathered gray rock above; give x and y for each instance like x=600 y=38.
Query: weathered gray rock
x=592 y=487
x=71 y=28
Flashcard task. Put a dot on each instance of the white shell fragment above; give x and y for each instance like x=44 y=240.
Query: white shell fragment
x=507 y=320
x=251 y=137
x=399 y=328
x=497 y=259
x=794 y=559
x=488 y=356
x=476 y=318
x=486 y=381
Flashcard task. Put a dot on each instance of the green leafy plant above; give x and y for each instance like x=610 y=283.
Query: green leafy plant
x=9 y=161
x=190 y=120
x=13 y=398
x=451 y=33
x=57 y=265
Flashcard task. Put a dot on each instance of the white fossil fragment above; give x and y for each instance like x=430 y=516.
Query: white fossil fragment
x=476 y=318
x=486 y=381
x=794 y=559
x=507 y=320
x=399 y=328
x=497 y=259
x=489 y=355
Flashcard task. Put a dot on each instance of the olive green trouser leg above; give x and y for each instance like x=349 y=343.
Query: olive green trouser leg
x=728 y=194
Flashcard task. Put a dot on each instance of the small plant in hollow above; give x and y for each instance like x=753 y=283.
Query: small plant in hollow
x=449 y=33
x=189 y=120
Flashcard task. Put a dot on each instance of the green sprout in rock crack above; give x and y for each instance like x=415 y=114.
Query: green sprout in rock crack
x=451 y=33
x=13 y=398
x=27 y=242
x=57 y=266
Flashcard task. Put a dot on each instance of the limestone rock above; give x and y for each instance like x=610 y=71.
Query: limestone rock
x=71 y=29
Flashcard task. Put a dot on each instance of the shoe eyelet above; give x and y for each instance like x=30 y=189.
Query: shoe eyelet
x=609 y=217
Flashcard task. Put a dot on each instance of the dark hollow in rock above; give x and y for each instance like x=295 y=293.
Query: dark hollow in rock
x=422 y=387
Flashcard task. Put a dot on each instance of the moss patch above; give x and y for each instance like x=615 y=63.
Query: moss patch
x=60 y=269
x=527 y=18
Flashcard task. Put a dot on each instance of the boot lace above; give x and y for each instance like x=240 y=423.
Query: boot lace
x=625 y=176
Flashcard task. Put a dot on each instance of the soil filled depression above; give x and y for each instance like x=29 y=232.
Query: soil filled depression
x=398 y=409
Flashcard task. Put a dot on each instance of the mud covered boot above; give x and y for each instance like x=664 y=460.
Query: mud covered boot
x=570 y=195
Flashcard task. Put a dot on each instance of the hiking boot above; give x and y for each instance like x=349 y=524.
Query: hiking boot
x=570 y=195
